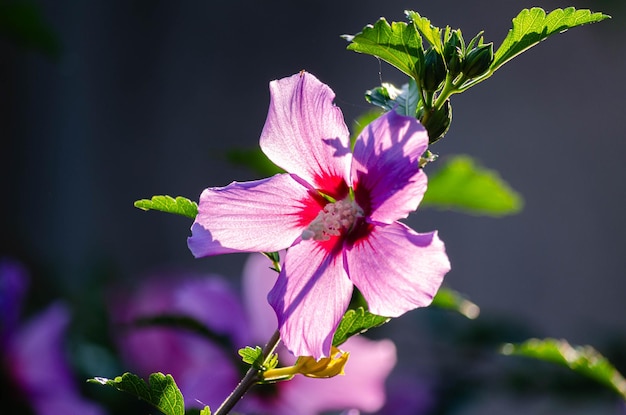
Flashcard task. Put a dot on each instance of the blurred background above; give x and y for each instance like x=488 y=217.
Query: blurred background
x=107 y=102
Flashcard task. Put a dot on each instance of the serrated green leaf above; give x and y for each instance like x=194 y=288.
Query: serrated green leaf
x=431 y=33
x=462 y=184
x=449 y=299
x=160 y=391
x=354 y=322
x=532 y=26
x=205 y=411
x=179 y=205
x=397 y=43
x=252 y=356
x=584 y=360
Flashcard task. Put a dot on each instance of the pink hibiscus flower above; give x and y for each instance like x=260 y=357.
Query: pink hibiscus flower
x=206 y=372
x=336 y=210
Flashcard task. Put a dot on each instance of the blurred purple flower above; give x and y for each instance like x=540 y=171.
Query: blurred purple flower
x=337 y=211
x=207 y=372
x=33 y=352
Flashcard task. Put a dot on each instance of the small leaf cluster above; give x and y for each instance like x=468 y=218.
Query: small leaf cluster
x=439 y=63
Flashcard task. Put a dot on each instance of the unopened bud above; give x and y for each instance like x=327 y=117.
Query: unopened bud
x=453 y=52
x=478 y=60
x=434 y=70
x=436 y=122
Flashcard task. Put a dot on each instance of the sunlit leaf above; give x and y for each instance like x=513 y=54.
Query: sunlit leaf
x=429 y=32
x=355 y=322
x=179 y=205
x=205 y=411
x=397 y=43
x=462 y=184
x=449 y=299
x=532 y=26
x=161 y=390
x=581 y=359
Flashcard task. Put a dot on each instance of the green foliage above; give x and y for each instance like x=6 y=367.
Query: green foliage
x=179 y=205
x=449 y=299
x=397 y=44
x=448 y=66
x=532 y=26
x=254 y=357
x=254 y=159
x=356 y=321
x=461 y=184
x=429 y=32
x=205 y=411
x=161 y=391
x=584 y=360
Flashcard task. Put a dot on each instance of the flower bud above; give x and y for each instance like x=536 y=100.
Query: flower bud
x=436 y=122
x=434 y=71
x=478 y=60
x=326 y=367
x=453 y=52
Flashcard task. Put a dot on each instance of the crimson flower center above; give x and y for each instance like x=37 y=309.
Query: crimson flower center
x=333 y=220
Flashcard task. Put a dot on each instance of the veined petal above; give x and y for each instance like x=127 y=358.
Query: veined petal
x=397 y=269
x=258 y=216
x=305 y=133
x=387 y=179
x=310 y=297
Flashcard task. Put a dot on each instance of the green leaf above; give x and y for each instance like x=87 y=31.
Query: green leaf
x=254 y=159
x=584 y=360
x=179 y=205
x=532 y=26
x=205 y=411
x=429 y=32
x=161 y=391
x=355 y=322
x=461 y=184
x=449 y=299
x=397 y=43
x=254 y=357
x=404 y=100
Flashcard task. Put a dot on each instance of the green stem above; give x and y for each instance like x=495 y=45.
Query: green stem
x=250 y=378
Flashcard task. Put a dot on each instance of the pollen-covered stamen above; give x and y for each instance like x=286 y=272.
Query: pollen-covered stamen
x=334 y=219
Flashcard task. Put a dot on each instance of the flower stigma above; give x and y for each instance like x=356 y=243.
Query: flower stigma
x=334 y=219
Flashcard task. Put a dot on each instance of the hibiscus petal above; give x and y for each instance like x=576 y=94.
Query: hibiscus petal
x=397 y=269
x=305 y=133
x=388 y=181
x=258 y=216
x=310 y=297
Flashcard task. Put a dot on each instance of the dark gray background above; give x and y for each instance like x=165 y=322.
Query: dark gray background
x=146 y=96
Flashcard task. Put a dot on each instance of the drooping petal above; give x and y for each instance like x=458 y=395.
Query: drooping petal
x=310 y=297
x=397 y=269
x=388 y=181
x=362 y=387
x=305 y=133
x=258 y=216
